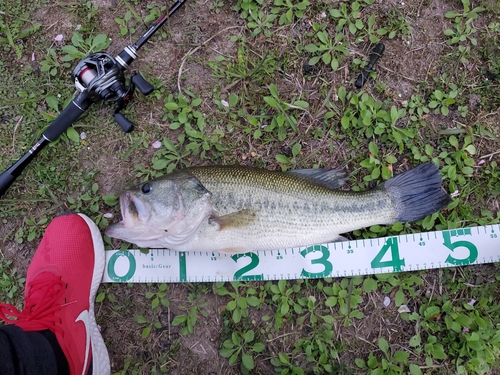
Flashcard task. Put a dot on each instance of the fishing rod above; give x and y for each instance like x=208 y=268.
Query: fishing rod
x=97 y=77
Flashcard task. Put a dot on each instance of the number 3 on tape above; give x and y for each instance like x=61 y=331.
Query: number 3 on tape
x=325 y=254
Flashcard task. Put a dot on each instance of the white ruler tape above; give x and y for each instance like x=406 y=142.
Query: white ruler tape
x=447 y=248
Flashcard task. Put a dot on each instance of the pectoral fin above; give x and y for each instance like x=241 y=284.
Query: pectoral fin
x=234 y=220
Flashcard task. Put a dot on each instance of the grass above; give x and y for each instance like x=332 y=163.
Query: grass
x=269 y=83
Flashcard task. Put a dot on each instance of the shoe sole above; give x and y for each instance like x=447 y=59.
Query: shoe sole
x=100 y=357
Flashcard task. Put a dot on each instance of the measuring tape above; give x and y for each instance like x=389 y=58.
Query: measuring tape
x=410 y=252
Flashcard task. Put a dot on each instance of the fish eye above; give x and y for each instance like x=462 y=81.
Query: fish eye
x=146 y=188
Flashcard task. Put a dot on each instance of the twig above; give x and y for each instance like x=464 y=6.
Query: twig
x=489 y=155
x=284 y=335
x=14 y=135
x=192 y=51
x=169 y=324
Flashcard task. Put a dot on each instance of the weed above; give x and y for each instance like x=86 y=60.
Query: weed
x=80 y=48
x=391 y=364
x=365 y=116
x=216 y=6
x=250 y=69
x=329 y=51
x=15 y=28
x=182 y=114
x=289 y=162
x=346 y=297
x=285 y=366
x=126 y=24
x=261 y=22
x=188 y=320
x=11 y=282
x=291 y=10
x=284 y=119
x=242 y=297
x=463 y=29
x=349 y=17
x=244 y=345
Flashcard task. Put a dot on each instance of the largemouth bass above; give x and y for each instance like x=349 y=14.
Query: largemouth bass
x=240 y=209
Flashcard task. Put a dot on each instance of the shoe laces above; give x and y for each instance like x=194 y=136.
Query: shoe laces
x=42 y=301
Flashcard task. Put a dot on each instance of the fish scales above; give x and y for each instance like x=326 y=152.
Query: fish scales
x=239 y=209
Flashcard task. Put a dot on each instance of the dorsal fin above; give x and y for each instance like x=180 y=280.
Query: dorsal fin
x=329 y=178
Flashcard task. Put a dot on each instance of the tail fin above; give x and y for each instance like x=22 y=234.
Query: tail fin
x=417 y=192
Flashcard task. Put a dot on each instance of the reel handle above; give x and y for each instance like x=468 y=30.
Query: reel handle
x=126 y=125
x=144 y=86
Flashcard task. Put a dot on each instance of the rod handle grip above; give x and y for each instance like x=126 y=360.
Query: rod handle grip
x=67 y=117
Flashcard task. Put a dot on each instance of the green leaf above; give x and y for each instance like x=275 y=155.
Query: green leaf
x=471 y=149
x=247 y=361
x=145 y=332
x=273 y=89
x=383 y=345
x=453 y=141
x=258 y=347
x=233 y=100
x=331 y=301
x=282 y=159
x=100 y=297
x=399 y=298
x=77 y=39
x=312 y=48
x=400 y=356
x=296 y=149
x=233 y=358
x=237 y=315
x=226 y=352
x=52 y=102
x=301 y=104
x=314 y=60
x=373 y=148
x=231 y=305
x=438 y=94
x=415 y=370
x=415 y=341
x=249 y=336
x=271 y=102
x=171 y=106
x=73 y=53
x=369 y=285
x=100 y=41
x=73 y=134
x=178 y=320
x=360 y=362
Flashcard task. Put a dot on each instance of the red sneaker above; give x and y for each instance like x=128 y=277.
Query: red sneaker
x=61 y=286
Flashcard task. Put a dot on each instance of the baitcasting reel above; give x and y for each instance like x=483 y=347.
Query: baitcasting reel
x=101 y=77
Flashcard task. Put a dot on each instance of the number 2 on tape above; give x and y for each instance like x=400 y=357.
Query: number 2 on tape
x=254 y=262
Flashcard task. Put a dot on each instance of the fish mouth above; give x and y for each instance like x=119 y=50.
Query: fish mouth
x=132 y=210
x=124 y=199
x=135 y=214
